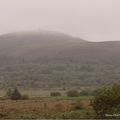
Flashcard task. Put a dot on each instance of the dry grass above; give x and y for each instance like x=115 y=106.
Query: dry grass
x=10 y=108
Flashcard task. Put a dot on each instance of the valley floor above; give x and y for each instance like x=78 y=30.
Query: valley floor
x=46 y=108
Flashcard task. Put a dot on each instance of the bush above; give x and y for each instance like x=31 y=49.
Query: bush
x=107 y=101
x=15 y=95
x=72 y=93
x=53 y=94
x=9 y=93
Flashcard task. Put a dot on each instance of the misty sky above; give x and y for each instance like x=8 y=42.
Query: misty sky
x=94 y=20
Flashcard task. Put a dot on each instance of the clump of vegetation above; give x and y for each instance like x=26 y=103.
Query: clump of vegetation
x=14 y=94
x=9 y=93
x=54 y=94
x=72 y=93
x=107 y=101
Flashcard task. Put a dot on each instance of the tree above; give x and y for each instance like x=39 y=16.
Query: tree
x=107 y=101
x=16 y=95
x=9 y=92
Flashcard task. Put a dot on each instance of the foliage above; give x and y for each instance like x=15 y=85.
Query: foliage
x=9 y=92
x=95 y=92
x=16 y=95
x=107 y=101
x=46 y=76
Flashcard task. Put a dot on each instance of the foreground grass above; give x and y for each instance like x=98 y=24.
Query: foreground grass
x=40 y=105
x=46 y=108
x=64 y=98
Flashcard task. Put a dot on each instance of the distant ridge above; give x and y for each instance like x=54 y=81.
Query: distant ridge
x=41 y=32
x=50 y=59
x=57 y=46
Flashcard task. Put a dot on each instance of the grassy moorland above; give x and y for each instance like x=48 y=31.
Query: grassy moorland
x=60 y=104
x=54 y=104
x=42 y=105
x=49 y=59
x=45 y=108
x=43 y=65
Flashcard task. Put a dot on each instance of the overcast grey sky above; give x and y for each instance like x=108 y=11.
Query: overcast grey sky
x=94 y=20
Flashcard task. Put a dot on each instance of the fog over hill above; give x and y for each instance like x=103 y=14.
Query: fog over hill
x=39 y=44
x=52 y=59
x=36 y=44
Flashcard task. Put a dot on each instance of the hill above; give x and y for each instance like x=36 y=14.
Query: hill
x=52 y=59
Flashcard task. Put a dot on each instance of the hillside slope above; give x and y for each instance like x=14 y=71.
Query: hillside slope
x=50 y=59
x=36 y=46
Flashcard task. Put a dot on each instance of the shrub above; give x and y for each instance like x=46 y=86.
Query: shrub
x=72 y=93
x=15 y=95
x=53 y=94
x=107 y=101
x=9 y=93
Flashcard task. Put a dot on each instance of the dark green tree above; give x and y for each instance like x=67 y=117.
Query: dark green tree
x=107 y=102
x=16 y=95
x=9 y=92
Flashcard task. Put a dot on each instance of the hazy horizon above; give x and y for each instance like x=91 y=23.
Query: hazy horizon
x=94 y=20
